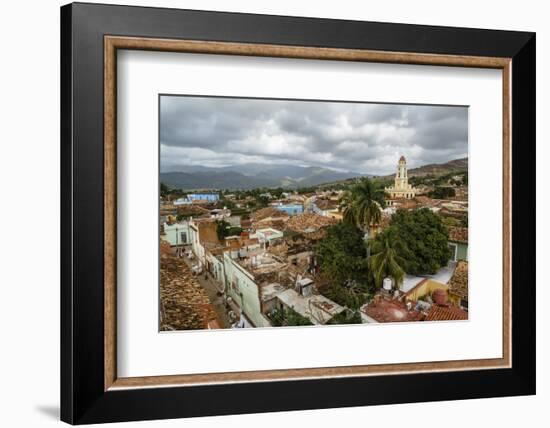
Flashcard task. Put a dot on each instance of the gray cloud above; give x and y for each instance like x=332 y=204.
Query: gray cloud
x=359 y=137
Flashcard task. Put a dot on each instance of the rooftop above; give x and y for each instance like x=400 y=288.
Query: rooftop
x=260 y=263
x=268 y=212
x=269 y=291
x=317 y=308
x=459 y=281
x=184 y=302
x=458 y=234
x=443 y=275
x=268 y=232
x=309 y=222
x=446 y=313
x=383 y=310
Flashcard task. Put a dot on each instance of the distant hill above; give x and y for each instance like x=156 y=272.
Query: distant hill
x=457 y=165
x=212 y=180
x=249 y=176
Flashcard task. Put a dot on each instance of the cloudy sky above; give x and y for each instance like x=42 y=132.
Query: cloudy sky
x=358 y=137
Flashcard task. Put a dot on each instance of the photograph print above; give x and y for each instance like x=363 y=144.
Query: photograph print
x=285 y=213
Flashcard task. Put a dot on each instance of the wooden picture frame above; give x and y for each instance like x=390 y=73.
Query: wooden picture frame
x=91 y=390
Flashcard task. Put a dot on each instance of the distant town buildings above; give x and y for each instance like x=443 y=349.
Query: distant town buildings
x=209 y=197
x=198 y=198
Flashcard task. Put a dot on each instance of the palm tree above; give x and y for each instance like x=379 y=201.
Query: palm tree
x=360 y=206
x=385 y=259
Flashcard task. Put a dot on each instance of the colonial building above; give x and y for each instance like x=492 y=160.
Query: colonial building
x=401 y=188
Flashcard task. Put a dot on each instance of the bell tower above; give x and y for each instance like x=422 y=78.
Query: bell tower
x=401 y=179
x=401 y=188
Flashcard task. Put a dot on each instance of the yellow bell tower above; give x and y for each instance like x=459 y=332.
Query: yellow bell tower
x=401 y=188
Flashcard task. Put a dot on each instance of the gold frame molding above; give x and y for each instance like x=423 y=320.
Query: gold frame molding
x=113 y=43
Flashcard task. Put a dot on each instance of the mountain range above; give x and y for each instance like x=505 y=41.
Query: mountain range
x=251 y=175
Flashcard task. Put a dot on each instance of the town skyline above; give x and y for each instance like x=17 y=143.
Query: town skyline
x=184 y=168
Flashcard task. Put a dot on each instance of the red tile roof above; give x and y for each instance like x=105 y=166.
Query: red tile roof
x=184 y=303
x=309 y=222
x=266 y=213
x=458 y=234
x=458 y=284
x=446 y=313
x=390 y=311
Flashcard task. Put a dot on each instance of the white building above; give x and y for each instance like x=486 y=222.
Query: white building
x=177 y=233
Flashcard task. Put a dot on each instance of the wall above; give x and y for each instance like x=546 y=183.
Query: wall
x=29 y=134
x=244 y=291
x=173 y=233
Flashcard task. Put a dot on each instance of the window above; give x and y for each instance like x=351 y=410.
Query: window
x=183 y=236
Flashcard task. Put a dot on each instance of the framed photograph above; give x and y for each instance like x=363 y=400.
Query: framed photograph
x=276 y=213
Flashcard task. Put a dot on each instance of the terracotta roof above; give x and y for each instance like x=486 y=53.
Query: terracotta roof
x=280 y=249
x=427 y=201
x=267 y=212
x=309 y=222
x=402 y=158
x=458 y=284
x=390 y=311
x=277 y=223
x=446 y=313
x=185 y=304
x=458 y=234
x=192 y=210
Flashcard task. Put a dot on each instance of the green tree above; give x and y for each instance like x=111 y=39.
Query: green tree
x=346 y=317
x=341 y=254
x=288 y=317
x=221 y=229
x=386 y=257
x=342 y=258
x=164 y=189
x=362 y=204
x=442 y=193
x=425 y=240
x=451 y=221
x=262 y=201
x=352 y=295
x=224 y=229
